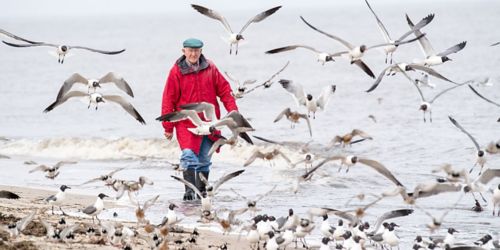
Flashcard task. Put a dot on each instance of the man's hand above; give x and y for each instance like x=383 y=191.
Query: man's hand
x=169 y=135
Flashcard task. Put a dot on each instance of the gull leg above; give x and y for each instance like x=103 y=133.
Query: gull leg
x=60 y=208
x=482 y=197
x=236 y=52
x=424 y=117
x=470 y=171
x=52 y=210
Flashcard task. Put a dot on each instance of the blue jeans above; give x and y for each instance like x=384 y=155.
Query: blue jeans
x=200 y=162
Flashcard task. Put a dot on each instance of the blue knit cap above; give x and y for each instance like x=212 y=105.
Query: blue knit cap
x=192 y=43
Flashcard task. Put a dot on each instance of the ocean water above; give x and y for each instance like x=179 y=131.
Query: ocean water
x=109 y=138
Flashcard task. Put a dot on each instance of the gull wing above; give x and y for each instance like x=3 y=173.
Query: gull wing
x=19 y=38
x=295 y=90
x=118 y=81
x=390 y=215
x=268 y=81
x=126 y=106
x=425 y=45
x=260 y=17
x=150 y=202
x=379 y=78
x=342 y=41
x=324 y=97
x=97 y=50
x=364 y=67
x=214 y=15
x=61 y=163
x=454 y=49
x=286 y=111
x=181 y=115
x=39 y=168
x=17 y=45
x=446 y=90
x=292 y=47
x=465 y=132
x=381 y=169
x=256 y=154
x=225 y=178
x=64 y=99
x=21 y=225
x=488 y=175
x=68 y=84
x=484 y=98
x=381 y=26
x=426 y=20
x=431 y=72
x=189 y=184
x=208 y=109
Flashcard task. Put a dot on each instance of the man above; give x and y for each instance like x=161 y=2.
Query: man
x=193 y=78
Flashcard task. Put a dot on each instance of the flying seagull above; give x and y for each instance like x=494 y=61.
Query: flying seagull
x=96 y=98
x=308 y=100
x=433 y=58
x=95 y=83
x=61 y=49
x=234 y=38
x=390 y=49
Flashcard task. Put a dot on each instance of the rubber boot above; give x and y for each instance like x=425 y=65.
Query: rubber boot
x=190 y=176
x=199 y=183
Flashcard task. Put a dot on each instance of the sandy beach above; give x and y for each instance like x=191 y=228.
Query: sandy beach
x=33 y=236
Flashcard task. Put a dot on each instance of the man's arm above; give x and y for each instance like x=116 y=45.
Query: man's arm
x=223 y=91
x=170 y=97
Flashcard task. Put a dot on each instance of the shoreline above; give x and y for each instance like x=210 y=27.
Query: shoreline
x=30 y=198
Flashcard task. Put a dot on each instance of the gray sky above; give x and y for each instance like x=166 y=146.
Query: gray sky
x=35 y=8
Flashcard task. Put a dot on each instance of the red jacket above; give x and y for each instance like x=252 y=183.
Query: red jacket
x=185 y=85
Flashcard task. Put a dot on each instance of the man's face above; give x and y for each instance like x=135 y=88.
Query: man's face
x=192 y=54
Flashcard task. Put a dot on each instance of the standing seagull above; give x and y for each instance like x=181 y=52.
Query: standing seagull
x=355 y=53
x=308 y=101
x=432 y=58
x=57 y=199
x=234 y=38
x=481 y=159
x=53 y=171
x=425 y=105
x=390 y=49
x=94 y=210
x=97 y=98
x=62 y=49
x=95 y=83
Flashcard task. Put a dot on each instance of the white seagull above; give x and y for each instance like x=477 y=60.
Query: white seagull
x=62 y=49
x=96 y=208
x=95 y=83
x=390 y=49
x=425 y=104
x=97 y=98
x=355 y=53
x=234 y=38
x=433 y=58
x=321 y=56
x=57 y=199
x=51 y=172
x=308 y=100
x=481 y=157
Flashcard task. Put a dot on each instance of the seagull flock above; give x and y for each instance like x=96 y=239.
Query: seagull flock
x=351 y=231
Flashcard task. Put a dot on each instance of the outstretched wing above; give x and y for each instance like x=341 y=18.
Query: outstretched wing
x=208 y=109
x=484 y=98
x=68 y=84
x=64 y=99
x=214 y=15
x=61 y=163
x=39 y=168
x=225 y=178
x=324 y=97
x=446 y=90
x=98 y=51
x=425 y=45
x=342 y=41
x=295 y=90
x=189 y=184
x=381 y=169
x=454 y=49
x=118 y=81
x=126 y=106
x=260 y=17
x=465 y=132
